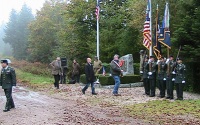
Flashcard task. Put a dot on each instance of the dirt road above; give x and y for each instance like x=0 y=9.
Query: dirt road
x=68 y=106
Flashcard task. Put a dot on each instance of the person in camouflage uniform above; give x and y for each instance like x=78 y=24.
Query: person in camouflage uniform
x=161 y=71
x=152 y=76
x=7 y=81
x=170 y=77
x=180 y=79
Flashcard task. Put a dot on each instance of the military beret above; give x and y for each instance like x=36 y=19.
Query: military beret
x=4 y=61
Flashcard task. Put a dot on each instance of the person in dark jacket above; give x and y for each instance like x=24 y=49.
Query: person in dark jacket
x=152 y=75
x=145 y=76
x=170 y=77
x=90 y=77
x=7 y=81
x=180 y=79
x=161 y=72
x=116 y=72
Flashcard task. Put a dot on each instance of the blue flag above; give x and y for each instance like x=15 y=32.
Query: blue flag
x=164 y=36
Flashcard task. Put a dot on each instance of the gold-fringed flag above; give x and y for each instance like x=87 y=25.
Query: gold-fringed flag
x=156 y=44
x=147 y=29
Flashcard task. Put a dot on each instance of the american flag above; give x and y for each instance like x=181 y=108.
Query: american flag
x=147 y=30
x=97 y=11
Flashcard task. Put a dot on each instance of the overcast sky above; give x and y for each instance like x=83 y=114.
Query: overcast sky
x=7 y=5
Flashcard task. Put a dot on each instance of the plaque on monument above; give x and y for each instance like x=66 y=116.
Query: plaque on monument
x=126 y=63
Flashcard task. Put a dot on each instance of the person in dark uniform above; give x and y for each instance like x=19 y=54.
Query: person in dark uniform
x=152 y=76
x=145 y=76
x=180 y=79
x=161 y=71
x=170 y=77
x=90 y=77
x=7 y=81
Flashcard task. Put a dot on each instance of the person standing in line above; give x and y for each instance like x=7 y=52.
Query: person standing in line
x=7 y=81
x=180 y=79
x=56 y=71
x=145 y=77
x=161 y=71
x=142 y=58
x=90 y=78
x=97 y=67
x=76 y=71
x=116 y=72
x=152 y=75
x=170 y=77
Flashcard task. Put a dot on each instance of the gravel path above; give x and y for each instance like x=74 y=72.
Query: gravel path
x=68 y=106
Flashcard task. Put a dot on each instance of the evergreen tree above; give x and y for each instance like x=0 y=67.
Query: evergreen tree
x=16 y=32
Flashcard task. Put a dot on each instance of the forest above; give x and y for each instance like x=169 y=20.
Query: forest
x=69 y=29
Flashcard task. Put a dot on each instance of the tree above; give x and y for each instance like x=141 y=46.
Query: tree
x=5 y=48
x=16 y=33
x=43 y=39
x=187 y=29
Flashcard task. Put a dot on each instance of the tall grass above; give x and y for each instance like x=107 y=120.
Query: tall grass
x=36 y=68
x=25 y=77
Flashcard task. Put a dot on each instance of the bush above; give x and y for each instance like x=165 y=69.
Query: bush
x=136 y=68
x=108 y=80
x=36 y=68
x=192 y=77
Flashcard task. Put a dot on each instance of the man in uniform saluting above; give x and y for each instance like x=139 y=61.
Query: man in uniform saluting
x=7 y=80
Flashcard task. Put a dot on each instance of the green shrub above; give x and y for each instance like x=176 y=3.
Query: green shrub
x=36 y=68
x=136 y=68
x=192 y=77
x=108 y=80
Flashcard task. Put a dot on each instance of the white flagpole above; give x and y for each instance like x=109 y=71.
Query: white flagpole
x=150 y=49
x=98 y=30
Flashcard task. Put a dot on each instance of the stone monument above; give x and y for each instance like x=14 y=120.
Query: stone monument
x=126 y=63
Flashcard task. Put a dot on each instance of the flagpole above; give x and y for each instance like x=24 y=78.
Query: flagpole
x=150 y=49
x=98 y=31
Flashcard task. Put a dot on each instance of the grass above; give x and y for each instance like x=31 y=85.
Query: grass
x=165 y=111
x=33 y=79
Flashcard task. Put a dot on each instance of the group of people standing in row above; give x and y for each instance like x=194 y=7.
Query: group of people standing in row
x=167 y=73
